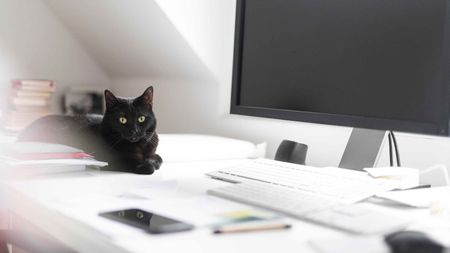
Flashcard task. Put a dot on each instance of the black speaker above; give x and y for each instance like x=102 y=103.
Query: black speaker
x=292 y=152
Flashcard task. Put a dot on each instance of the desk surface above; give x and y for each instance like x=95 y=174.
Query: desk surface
x=67 y=205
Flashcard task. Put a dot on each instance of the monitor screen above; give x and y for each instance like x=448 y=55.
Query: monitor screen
x=378 y=64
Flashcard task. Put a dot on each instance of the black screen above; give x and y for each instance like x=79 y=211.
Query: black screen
x=365 y=63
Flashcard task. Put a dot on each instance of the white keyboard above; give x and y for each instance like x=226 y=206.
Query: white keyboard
x=337 y=184
x=350 y=218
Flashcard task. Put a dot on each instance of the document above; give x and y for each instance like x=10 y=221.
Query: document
x=421 y=198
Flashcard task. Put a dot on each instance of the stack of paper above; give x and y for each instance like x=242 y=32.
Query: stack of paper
x=32 y=158
x=404 y=177
x=421 y=198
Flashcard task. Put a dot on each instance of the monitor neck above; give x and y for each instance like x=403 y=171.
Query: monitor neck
x=363 y=149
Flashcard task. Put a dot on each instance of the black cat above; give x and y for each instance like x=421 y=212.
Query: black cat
x=125 y=136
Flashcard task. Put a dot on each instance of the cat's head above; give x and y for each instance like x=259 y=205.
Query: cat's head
x=130 y=118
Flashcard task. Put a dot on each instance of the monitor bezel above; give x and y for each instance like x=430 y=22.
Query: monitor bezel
x=340 y=119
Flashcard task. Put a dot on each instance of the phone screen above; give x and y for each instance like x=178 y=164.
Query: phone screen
x=150 y=222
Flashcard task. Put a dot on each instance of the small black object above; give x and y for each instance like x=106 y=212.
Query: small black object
x=292 y=152
x=412 y=242
x=150 y=222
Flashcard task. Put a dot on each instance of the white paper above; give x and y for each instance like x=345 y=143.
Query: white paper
x=29 y=168
x=36 y=147
x=391 y=171
x=418 y=197
x=86 y=162
x=405 y=177
x=435 y=176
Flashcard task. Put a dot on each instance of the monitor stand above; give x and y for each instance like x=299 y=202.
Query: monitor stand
x=363 y=149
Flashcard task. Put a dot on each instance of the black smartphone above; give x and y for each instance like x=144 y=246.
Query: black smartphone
x=152 y=223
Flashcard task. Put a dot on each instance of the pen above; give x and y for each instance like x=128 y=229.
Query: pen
x=251 y=226
x=414 y=188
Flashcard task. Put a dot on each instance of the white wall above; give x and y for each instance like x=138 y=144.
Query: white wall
x=35 y=44
x=178 y=104
x=130 y=39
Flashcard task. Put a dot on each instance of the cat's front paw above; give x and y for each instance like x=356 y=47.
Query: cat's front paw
x=147 y=167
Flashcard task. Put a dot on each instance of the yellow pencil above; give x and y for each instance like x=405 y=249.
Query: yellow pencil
x=251 y=226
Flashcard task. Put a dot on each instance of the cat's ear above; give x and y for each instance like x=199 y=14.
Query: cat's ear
x=110 y=99
x=147 y=97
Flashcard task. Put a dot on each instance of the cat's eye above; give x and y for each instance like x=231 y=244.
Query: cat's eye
x=141 y=119
x=123 y=120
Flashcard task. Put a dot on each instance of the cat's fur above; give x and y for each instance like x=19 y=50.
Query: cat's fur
x=129 y=146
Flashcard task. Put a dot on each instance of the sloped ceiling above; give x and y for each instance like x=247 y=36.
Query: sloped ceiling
x=130 y=39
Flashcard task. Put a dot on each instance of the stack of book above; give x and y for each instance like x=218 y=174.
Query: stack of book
x=30 y=99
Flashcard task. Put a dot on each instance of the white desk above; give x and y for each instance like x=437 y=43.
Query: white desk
x=78 y=225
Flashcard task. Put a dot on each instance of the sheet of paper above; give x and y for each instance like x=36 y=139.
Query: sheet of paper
x=35 y=147
x=418 y=197
x=87 y=162
x=391 y=171
x=404 y=177
x=31 y=168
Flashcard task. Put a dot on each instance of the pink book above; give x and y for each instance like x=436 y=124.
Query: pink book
x=33 y=82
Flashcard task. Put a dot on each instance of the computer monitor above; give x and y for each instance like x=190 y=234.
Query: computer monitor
x=371 y=64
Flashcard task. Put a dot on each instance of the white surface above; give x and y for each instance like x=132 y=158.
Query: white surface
x=196 y=147
x=67 y=206
x=370 y=244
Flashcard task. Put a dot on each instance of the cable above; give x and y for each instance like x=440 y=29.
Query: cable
x=391 y=160
x=397 y=152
